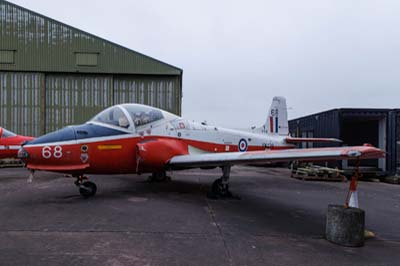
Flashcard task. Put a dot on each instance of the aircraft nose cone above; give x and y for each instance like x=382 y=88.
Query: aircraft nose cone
x=22 y=154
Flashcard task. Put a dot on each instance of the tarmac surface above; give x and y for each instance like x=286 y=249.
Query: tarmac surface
x=277 y=221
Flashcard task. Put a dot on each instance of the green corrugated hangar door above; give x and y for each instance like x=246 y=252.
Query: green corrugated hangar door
x=157 y=91
x=74 y=99
x=20 y=102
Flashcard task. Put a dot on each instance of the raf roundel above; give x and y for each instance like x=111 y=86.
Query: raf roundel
x=242 y=145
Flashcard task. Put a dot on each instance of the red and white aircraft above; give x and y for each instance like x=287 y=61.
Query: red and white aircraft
x=10 y=143
x=135 y=138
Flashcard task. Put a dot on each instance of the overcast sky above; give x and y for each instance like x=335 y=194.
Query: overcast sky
x=236 y=55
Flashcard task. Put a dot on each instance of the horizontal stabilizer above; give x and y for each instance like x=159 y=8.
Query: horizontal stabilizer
x=298 y=140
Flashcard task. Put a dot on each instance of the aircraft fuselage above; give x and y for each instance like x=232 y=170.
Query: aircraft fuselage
x=97 y=147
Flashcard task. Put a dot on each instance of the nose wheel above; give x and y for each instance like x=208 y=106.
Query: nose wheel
x=87 y=188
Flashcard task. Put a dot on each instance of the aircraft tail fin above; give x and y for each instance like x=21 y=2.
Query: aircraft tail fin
x=277 y=121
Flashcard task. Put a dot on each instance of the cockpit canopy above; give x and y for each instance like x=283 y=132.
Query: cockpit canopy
x=131 y=116
x=4 y=133
x=112 y=116
x=143 y=115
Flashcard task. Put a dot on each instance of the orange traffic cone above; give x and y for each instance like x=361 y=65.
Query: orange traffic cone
x=352 y=195
x=353 y=202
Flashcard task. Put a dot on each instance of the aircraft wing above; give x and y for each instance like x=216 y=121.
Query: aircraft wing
x=262 y=157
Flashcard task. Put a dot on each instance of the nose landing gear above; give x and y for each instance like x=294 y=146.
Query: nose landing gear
x=86 y=188
x=31 y=175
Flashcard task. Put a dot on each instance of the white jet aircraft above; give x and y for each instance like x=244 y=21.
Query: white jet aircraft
x=134 y=138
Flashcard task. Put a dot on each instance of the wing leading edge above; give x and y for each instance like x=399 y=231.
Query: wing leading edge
x=253 y=157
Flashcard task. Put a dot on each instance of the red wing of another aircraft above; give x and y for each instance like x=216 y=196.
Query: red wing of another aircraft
x=10 y=143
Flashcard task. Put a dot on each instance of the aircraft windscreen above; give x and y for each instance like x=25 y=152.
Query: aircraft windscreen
x=7 y=133
x=112 y=116
x=143 y=115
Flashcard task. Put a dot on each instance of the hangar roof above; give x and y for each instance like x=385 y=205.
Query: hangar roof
x=34 y=42
x=347 y=111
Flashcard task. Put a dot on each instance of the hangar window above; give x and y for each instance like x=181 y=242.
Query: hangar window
x=112 y=116
x=7 y=57
x=86 y=59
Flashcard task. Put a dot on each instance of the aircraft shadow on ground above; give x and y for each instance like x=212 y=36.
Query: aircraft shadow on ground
x=255 y=214
x=251 y=214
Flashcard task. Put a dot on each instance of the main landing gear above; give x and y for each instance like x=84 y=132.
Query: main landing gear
x=86 y=188
x=220 y=187
x=159 y=177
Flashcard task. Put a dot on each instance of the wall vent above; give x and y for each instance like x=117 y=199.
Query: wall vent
x=7 y=56
x=86 y=59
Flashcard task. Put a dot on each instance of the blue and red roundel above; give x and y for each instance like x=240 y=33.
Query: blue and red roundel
x=242 y=145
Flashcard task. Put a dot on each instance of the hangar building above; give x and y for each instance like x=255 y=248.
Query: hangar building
x=52 y=74
x=379 y=127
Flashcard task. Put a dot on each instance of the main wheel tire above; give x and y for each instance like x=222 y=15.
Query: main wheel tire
x=220 y=189
x=159 y=176
x=87 y=189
